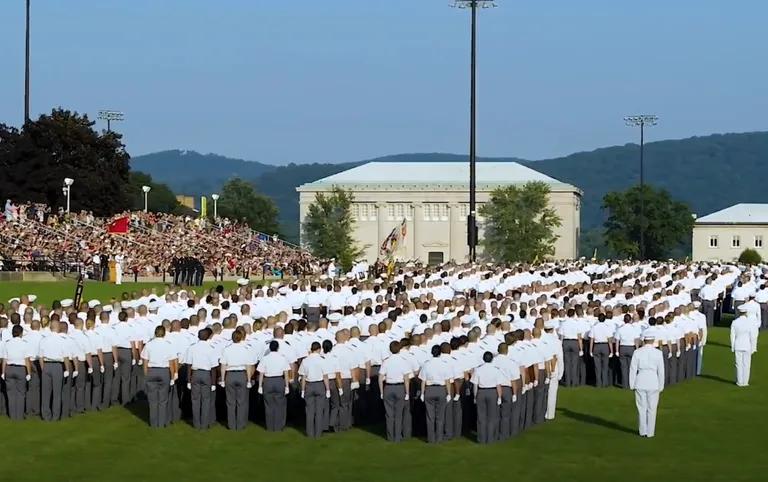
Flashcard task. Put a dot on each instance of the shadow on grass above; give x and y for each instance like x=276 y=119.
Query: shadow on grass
x=717 y=343
x=594 y=420
x=717 y=379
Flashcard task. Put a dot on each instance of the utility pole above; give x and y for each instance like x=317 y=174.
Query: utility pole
x=26 y=71
x=642 y=121
x=109 y=116
x=473 y=5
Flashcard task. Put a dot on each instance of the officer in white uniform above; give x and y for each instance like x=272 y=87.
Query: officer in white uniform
x=160 y=374
x=646 y=378
x=743 y=344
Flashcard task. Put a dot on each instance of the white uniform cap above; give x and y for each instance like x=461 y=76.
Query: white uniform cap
x=275 y=284
x=696 y=304
x=93 y=303
x=126 y=304
x=153 y=305
x=32 y=298
x=283 y=290
x=242 y=282
x=107 y=308
x=743 y=308
x=14 y=299
x=649 y=337
x=550 y=324
x=66 y=303
x=335 y=317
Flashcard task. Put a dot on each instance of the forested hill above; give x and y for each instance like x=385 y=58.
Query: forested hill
x=708 y=173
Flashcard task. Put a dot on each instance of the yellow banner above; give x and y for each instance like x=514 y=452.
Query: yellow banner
x=203 y=206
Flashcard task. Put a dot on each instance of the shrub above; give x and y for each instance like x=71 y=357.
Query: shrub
x=750 y=256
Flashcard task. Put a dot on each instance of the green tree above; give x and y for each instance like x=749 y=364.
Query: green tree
x=35 y=161
x=750 y=256
x=160 y=200
x=667 y=222
x=328 y=227
x=519 y=224
x=240 y=201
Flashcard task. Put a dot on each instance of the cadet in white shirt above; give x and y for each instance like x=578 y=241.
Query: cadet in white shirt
x=160 y=365
x=236 y=372
x=16 y=370
x=600 y=341
x=743 y=345
x=627 y=339
x=486 y=380
x=54 y=364
x=201 y=359
x=646 y=378
x=315 y=389
x=435 y=393
x=274 y=384
x=394 y=378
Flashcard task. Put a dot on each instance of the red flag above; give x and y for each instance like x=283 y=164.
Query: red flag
x=118 y=226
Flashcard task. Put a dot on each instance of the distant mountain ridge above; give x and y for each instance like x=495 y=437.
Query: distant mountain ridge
x=708 y=172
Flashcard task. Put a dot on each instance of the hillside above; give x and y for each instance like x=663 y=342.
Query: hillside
x=708 y=173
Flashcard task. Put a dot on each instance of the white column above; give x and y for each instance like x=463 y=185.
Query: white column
x=381 y=213
x=418 y=218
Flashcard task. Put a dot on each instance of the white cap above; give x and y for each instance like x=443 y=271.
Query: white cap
x=93 y=303
x=696 y=304
x=743 y=308
x=126 y=304
x=14 y=299
x=242 y=282
x=67 y=302
x=550 y=325
x=649 y=337
x=282 y=290
x=153 y=305
x=275 y=284
x=32 y=298
x=107 y=308
x=334 y=317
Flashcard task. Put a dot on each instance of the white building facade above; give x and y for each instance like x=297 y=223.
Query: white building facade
x=723 y=235
x=433 y=198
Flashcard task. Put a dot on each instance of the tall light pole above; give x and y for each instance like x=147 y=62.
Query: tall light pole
x=473 y=5
x=109 y=116
x=67 y=189
x=146 y=190
x=26 y=71
x=642 y=121
x=215 y=198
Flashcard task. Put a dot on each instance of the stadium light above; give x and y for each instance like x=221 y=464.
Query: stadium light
x=26 y=69
x=109 y=116
x=215 y=198
x=146 y=190
x=67 y=189
x=473 y=5
x=642 y=121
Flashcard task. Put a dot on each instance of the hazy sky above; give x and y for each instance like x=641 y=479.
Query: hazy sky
x=343 y=80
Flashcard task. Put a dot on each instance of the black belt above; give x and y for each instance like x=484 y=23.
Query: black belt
x=601 y=343
x=387 y=383
x=52 y=361
x=201 y=370
x=486 y=388
x=435 y=384
x=235 y=371
x=316 y=381
x=20 y=366
x=276 y=376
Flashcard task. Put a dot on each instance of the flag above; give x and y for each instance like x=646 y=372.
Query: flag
x=403 y=229
x=118 y=226
x=387 y=243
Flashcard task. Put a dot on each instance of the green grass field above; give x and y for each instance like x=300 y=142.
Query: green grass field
x=708 y=430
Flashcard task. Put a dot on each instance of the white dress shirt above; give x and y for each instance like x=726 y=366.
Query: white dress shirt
x=274 y=365
x=158 y=352
x=646 y=371
x=312 y=368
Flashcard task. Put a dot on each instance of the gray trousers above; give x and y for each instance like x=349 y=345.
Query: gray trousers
x=33 y=391
x=763 y=316
x=487 y=415
x=517 y=408
x=275 y=403
x=51 y=382
x=93 y=389
x=625 y=359
x=16 y=389
x=434 y=399
x=201 y=398
x=505 y=414
x=341 y=405
x=236 y=384
x=571 y=362
x=540 y=398
x=158 y=390
x=394 y=408
x=314 y=400
x=708 y=308
x=66 y=396
x=107 y=380
x=313 y=313
x=121 y=383
x=78 y=387
x=602 y=368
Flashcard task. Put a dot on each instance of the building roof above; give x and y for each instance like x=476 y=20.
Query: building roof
x=738 y=214
x=453 y=174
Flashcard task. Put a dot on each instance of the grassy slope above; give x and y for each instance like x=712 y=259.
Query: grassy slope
x=707 y=429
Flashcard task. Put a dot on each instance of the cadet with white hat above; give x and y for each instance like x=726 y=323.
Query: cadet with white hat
x=646 y=378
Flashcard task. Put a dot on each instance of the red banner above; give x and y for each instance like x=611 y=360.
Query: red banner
x=119 y=225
